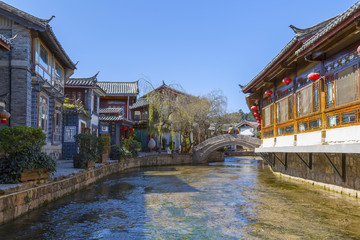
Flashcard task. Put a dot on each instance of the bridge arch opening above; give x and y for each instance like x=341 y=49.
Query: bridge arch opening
x=204 y=149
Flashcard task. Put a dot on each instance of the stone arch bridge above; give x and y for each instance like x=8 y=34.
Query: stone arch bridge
x=202 y=150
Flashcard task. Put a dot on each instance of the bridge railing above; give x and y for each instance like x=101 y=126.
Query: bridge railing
x=214 y=140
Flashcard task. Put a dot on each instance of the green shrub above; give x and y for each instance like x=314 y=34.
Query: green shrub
x=88 y=149
x=21 y=149
x=119 y=153
x=102 y=143
x=14 y=140
x=131 y=145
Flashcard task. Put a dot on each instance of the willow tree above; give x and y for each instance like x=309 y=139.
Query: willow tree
x=171 y=111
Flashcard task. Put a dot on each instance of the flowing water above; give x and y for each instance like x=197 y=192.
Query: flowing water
x=237 y=199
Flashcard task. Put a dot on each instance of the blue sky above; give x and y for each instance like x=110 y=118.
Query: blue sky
x=202 y=45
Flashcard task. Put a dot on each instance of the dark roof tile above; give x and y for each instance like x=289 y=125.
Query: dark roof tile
x=120 y=88
x=140 y=102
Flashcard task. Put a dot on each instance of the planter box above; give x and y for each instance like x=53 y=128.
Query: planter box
x=36 y=174
x=104 y=156
x=79 y=163
x=90 y=164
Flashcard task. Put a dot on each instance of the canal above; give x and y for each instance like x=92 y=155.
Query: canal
x=237 y=199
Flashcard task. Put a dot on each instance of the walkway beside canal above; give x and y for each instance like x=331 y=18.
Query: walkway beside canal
x=17 y=199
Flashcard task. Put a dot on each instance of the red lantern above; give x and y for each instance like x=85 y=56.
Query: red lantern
x=256 y=114
x=259 y=121
x=313 y=76
x=124 y=128
x=254 y=108
x=259 y=125
x=131 y=130
x=4 y=115
x=4 y=120
x=358 y=49
x=258 y=118
x=287 y=81
x=268 y=92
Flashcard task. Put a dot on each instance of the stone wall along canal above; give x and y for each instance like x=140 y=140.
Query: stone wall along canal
x=237 y=199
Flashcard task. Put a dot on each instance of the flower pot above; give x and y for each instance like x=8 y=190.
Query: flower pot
x=104 y=158
x=90 y=164
x=35 y=174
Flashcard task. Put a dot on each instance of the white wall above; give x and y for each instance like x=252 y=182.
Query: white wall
x=310 y=138
x=285 y=141
x=343 y=135
x=268 y=142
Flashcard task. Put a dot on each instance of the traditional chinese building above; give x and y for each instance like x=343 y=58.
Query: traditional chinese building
x=5 y=45
x=115 y=115
x=33 y=74
x=247 y=128
x=307 y=98
x=81 y=111
x=140 y=111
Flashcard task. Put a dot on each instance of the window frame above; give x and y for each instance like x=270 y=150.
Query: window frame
x=39 y=118
x=331 y=77
x=340 y=114
x=290 y=110
x=315 y=109
x=271 y=106
x=307 y=121
x=48 y=73
x=56 y=131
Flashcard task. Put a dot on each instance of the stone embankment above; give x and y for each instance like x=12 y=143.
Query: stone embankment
x=27 y=197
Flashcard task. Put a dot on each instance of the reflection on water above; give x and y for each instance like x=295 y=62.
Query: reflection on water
x=237 y=199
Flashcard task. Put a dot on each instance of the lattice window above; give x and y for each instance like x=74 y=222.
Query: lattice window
x=268 y=113
x=347 y=85
x=43 y=113
x=284 y=109
x=307 y=100
x=57 y=124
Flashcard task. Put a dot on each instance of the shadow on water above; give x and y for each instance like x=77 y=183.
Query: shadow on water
x=113 y=208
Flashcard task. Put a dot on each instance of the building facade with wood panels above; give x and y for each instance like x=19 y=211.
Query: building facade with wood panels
x=307 y=98
x=33 y=73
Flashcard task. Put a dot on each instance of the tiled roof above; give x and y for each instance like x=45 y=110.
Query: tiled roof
x=110 y=118
x=90 y=81
x=15 y=13
x=5 y=39
x=120 y=88
x=300 y=34
x=251 y=123
x=110 y=110
x=167 y=87
x=140 y=102
x=41 y=25
x=330 y=26
x=76 y=110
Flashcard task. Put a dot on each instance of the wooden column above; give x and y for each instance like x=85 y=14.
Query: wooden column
x=322 y=104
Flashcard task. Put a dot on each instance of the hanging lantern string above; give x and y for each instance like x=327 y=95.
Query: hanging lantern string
x=287 y=81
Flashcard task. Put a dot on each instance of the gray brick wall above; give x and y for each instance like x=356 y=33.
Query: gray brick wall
x=50 y=119
x=34 y=108
x=20 y=76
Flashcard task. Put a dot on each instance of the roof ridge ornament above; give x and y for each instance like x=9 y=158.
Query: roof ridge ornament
x=95 y=76
x=13 y=38
x=48 y=20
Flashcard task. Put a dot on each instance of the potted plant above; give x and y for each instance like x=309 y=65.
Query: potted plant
x=131 y=144
x=103 y=148
x=88 y=150
x=22 y=159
